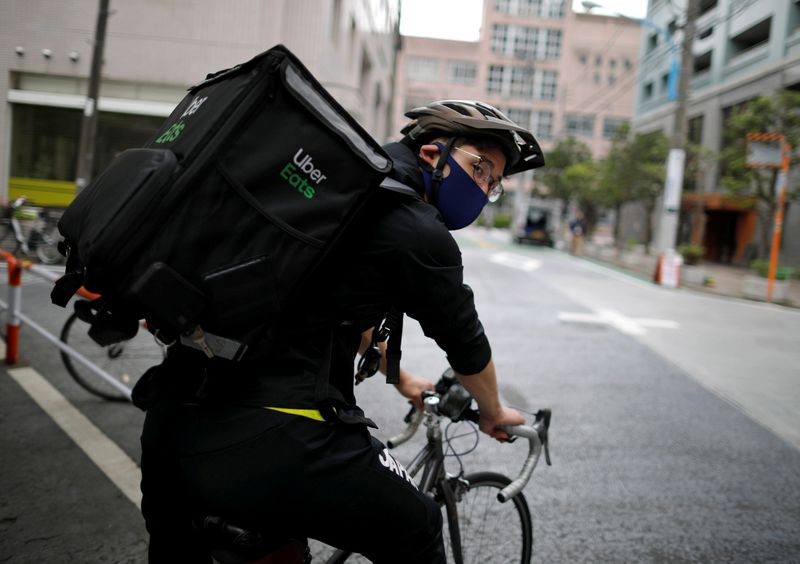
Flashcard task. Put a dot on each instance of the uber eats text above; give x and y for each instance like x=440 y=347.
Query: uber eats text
x=291 y=174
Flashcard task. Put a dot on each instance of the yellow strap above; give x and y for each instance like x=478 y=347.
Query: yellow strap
x=310 y=413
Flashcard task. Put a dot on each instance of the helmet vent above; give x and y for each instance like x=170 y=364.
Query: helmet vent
x=457 y=108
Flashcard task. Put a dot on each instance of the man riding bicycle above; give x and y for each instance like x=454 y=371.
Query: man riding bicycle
x=276 y=442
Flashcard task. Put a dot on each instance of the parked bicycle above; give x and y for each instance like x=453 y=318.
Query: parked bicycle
x=125 y=361
x=42 y=237
x=487 y=518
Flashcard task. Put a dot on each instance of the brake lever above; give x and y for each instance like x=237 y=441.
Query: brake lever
x=543 y=416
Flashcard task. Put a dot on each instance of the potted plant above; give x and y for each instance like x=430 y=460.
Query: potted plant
x=755 y=285
x=692 y=254
x=691 y=272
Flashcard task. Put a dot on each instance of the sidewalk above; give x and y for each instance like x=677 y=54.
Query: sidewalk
x=722 y=279
x=728 y=280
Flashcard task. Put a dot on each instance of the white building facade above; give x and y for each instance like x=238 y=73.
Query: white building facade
x=742 y=49
x=154 y=50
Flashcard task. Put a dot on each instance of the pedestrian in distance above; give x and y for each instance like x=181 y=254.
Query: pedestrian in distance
x=577 y=228
x=276 y=442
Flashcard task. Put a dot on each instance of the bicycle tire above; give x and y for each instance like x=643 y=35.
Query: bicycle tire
x=491 y=531
x=126 y=361
x=47 y=245
x=8 y=242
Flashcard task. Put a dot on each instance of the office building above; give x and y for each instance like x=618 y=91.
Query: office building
x=742 y=49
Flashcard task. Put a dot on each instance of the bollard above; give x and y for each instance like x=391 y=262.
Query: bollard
x=14 y=305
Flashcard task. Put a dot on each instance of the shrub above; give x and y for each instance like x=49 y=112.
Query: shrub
x=691 y=253
x=502 y=220
x=761 y=266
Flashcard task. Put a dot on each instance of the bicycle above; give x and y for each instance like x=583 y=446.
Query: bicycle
x=125 y=361
x=487 y=518
x=42 y=239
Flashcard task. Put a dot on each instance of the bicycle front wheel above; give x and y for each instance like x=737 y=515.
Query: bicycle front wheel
x=47 y=245
x=491 y=531
x=125 y=361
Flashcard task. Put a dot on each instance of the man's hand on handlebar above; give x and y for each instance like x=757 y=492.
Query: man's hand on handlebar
x=505 y=416
x=411 y=387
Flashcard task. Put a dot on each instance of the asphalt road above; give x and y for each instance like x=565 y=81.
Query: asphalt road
x=674 y=435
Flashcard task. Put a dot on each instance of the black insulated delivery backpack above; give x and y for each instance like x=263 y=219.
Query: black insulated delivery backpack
x=207 y=230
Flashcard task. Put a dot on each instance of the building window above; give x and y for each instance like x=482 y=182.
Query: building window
x=522 y=82
x=612 y=63
x=526 y=42
x=706 y=6
x=647 y=91
x=423 y=68
x=627 y=64
x=44 y=142
x=539 y=122
x=597 y=78
x=536 y=8
x=461 y=72
x=542 y=124
x=612 y=80
x=522 y=79
x=580 y=125
x=553 y=46
x=652 y=42
x=751 y=38
x=549 y=85
x=702 y=62
x=499 y=38
x=611 y=125
x=496 y=74
x=583 y=58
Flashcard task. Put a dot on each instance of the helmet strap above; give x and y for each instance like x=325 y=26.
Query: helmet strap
x=437 y=176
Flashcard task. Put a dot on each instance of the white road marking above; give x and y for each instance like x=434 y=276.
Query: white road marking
x=627 y=325
x=111 y=459
x=516 y=261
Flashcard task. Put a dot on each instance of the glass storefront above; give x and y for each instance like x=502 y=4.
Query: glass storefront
x=44 y=148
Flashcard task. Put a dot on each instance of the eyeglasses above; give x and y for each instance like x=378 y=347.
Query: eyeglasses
x=482 y=174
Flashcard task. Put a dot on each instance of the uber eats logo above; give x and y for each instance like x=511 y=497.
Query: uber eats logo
x=302 y=163
x=175 y=129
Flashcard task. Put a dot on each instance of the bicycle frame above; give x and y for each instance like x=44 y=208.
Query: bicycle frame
x=449 y=490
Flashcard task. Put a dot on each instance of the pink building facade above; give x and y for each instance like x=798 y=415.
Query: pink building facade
x=558 y=72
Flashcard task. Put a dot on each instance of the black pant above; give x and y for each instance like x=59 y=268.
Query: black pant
x=284 y=474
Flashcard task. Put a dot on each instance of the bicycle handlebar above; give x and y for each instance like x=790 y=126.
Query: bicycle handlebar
x=453 y=401
x=414 y=418
x=537 y=442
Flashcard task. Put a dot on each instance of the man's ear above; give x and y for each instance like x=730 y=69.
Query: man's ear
x=430 y=154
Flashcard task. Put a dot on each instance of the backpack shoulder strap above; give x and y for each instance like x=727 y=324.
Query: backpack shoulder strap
x=396 y=186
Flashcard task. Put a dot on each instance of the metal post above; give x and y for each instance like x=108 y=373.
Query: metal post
x=89 y=123
x=778 y=227
x=14 y=306
x=668 y=226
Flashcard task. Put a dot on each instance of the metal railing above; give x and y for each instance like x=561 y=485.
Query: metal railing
x=15 y=318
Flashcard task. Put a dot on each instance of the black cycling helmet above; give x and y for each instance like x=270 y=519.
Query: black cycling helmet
x=466 y=118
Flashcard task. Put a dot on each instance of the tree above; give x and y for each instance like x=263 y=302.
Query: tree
x=566 y=153
x=581 y=177
x=633 y=171
x=779 y=113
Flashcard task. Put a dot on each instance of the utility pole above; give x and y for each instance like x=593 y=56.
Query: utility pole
x=89 y=122
x=668 y=226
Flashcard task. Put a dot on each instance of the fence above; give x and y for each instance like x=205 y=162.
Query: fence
x=15 y=318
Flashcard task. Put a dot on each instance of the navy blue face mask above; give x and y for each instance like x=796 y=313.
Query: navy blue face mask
x=460 y=200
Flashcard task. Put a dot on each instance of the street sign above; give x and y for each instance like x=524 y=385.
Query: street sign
x=764 y=150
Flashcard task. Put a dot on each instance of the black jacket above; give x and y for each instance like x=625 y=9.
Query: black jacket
x=400 y=253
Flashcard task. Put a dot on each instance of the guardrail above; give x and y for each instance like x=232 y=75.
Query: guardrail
x=15 y=318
